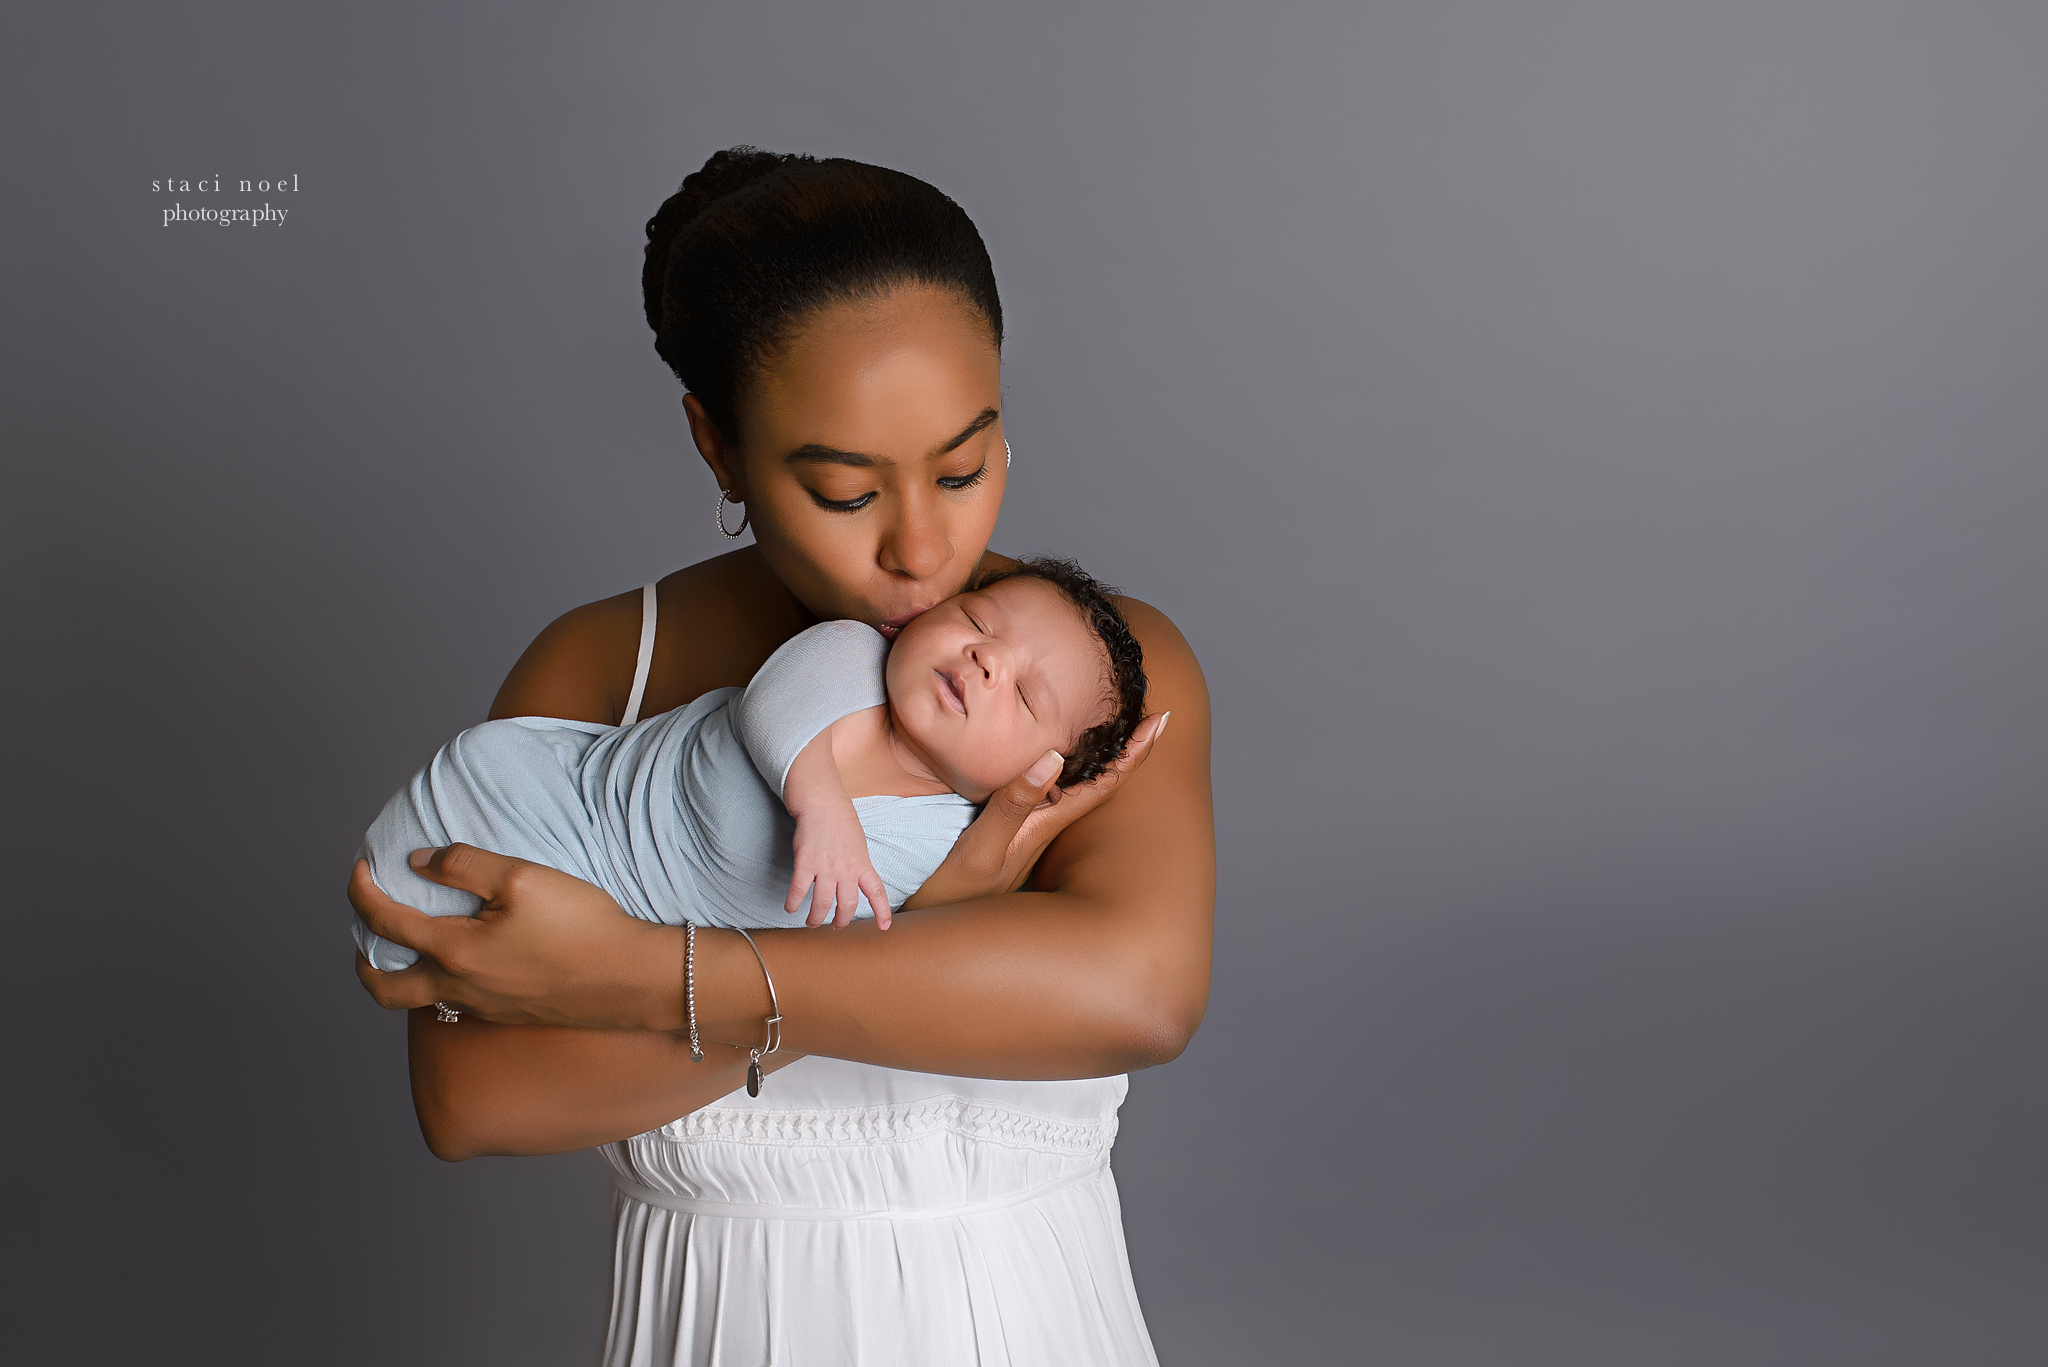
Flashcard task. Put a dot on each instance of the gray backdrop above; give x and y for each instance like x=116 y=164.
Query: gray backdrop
x=1597 y=451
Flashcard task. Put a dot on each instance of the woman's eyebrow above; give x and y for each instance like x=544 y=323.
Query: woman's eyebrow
x=813 y=453
x=980 y=423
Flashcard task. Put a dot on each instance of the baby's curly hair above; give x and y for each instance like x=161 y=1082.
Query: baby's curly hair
x=1099 y=746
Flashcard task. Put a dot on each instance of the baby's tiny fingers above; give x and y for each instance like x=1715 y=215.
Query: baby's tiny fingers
x=878 y=898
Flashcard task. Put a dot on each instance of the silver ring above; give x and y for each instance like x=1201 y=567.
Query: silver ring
x=446 y=1014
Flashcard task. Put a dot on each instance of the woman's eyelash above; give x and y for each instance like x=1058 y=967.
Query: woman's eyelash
x=959 y=482
x=952 y=483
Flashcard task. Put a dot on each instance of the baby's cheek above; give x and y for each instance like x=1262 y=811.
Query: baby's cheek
x=990 y=766
x=1012 y=760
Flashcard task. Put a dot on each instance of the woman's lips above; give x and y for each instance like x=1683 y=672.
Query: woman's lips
x=950 y=691
x=890 y=626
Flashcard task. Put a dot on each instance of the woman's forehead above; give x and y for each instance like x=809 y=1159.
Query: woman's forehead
x=900 y=382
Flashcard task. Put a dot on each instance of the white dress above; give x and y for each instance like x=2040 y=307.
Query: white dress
x=862 y=1215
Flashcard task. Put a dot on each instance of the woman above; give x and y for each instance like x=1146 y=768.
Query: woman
x=838 y=333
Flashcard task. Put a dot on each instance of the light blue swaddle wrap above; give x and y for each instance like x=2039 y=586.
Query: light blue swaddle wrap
x=678 y=817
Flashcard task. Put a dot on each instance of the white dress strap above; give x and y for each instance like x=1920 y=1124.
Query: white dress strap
x=646 y=660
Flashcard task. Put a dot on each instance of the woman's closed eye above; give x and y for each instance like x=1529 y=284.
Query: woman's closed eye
x=959 y=482
x=842 y=505
x=951 y=483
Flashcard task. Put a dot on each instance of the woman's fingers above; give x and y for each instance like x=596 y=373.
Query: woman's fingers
x=1032 y=827
x=389 y=919
x=986 y=845
x=996 y=853
x=1077 y=801
x=485 y=873
x=546 y=948
x=402 y=990
x=1016 y=800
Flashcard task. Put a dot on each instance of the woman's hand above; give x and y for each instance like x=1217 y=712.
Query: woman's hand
x=546 y=949
x=996 y=854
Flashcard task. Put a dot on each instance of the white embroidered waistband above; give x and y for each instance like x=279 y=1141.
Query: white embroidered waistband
x=863 y=1126
x=738 y=1210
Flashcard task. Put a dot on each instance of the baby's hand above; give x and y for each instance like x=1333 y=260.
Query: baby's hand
x=832 y=853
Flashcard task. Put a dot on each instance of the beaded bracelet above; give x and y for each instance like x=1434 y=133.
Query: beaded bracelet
x=690 y=988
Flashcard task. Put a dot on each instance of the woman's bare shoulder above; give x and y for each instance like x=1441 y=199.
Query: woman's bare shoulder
x=709 y=617
x=1173 y=677
x=569 y=670
x=1163 y=642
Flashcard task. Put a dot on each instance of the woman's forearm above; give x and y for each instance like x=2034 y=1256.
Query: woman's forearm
x=481 y=1089
x=1030 y=985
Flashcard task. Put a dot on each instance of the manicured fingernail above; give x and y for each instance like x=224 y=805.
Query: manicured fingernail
x=419 y=859
x=1160 y=729
x=1041 y=773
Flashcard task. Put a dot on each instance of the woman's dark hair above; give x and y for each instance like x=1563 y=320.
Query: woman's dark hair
x=1099 y=746
x=756 y=241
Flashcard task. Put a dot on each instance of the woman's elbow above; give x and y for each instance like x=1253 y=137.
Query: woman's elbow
x=1166 y=1037
x=451 y=1135
x=457 y=1119
x=1160 y=1022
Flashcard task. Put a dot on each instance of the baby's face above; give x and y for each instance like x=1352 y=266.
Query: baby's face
x=986 y=683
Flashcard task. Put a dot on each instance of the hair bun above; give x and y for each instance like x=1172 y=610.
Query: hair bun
x=732 y=169
x=754 y=242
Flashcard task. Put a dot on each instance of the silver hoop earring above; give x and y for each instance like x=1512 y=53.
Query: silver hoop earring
x=722 y=498
x=1007 y=458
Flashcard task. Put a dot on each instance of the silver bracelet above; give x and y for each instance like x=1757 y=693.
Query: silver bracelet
x=772 y=1026
x=690 y=988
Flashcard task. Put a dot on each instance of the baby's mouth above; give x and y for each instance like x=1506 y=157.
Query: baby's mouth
x=950 y=690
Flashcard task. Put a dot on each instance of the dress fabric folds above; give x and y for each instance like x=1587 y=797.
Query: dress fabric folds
x=853 y=1214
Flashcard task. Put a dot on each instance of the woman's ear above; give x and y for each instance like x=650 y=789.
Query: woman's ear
x=725 y=467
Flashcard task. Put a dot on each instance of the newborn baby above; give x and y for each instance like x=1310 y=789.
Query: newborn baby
x=835 y=782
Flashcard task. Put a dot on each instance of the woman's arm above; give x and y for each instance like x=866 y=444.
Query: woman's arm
x=480 y=1088
x=1102 y=968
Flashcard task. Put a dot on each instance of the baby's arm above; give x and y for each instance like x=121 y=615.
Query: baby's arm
x=831 y=847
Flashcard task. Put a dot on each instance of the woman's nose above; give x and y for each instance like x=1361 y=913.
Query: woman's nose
x=916 y=545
